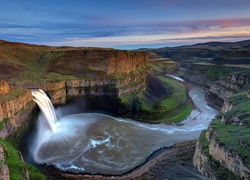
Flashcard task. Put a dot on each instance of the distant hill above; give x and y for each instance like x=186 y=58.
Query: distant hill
x=210 y=52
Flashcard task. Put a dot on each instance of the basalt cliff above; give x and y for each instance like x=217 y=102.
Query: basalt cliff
x=222 y=68
x=222 y=151
x=101 y=77
x=66 y=73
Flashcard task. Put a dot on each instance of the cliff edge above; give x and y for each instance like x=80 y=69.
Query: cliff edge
x=223 y=151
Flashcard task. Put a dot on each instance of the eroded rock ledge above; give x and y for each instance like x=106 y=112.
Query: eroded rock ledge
x=223 y=151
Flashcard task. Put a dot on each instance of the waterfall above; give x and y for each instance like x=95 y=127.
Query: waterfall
x=46 y=107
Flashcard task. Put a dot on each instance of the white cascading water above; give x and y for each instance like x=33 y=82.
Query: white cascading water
x=47 y=108
x=98 y=143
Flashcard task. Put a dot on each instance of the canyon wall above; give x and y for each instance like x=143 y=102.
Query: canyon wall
x=104 y=76
x=221 y=81
x=223 y=151
x=87 y=61
x=16 y=105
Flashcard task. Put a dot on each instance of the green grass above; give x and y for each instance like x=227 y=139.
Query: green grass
x=235 y=138
x=241 y=108
x=181 y=115
x=15 y=165
x=5 y=120
x=162 y=66
x=215 y=73
x=174 y=108
x=12 y=95
x=220 y=171
x=176 y=105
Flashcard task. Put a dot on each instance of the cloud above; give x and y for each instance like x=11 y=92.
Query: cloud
x=123 y=23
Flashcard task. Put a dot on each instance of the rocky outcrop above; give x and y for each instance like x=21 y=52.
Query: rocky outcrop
x=4 y=87
x=201 y=159
x=15 y=109
x=196 y=74
x=207 y=74
x=7 y=152
x=114 y=86
x=162 y=66
x=229 y=159
x=108 y=61
x=223 y=150
x=4 y=170
x=95 y=72
x=232 y=84
x=56 y=91
x=222 y=81
x=226 y=143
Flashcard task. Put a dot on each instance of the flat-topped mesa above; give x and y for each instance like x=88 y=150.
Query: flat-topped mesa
x=107 y=61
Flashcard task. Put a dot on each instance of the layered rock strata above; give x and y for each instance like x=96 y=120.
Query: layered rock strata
x=104 y=73
x=15 y=108
x=232 y=84
x=223 y=150
x=4 y=87
x=107 y=61
x=221 y=81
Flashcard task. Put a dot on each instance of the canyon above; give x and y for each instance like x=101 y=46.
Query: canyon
x=222 y=68
x=106 y=79
x=222 y=151
x=115 y=80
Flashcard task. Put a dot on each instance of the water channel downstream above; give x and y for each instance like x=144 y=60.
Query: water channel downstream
x=98 y=143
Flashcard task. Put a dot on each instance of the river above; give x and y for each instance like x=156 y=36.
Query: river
x=98 y=143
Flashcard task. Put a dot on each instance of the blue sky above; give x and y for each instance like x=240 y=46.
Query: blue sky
x=124 y=24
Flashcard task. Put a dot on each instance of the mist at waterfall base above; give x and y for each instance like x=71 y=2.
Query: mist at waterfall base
x=98 y=143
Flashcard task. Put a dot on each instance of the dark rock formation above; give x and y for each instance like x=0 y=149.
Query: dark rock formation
x=223 y=150
x=15 y=109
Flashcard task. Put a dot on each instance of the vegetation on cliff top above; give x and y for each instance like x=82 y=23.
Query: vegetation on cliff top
x=234 y=138
x=235 y=133
x=171 y=108
x=16 y=165
x=12 y=95
x=220 y=171
x=231 y=131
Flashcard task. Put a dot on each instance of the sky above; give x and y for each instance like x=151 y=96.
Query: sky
x=124 y=24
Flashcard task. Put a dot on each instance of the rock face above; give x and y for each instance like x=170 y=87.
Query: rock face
x=9 y=152
x=107 y=61
x=206 y=74
x=115 y=87
x=162 y=66
x=234 y=83
x=221 y=81
x=202 y=160
x=4 y=87
x=98 y=74
x=56 y=91
x=15 y=109
x=223 y=151
x=4 y=170
x=196 y=74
